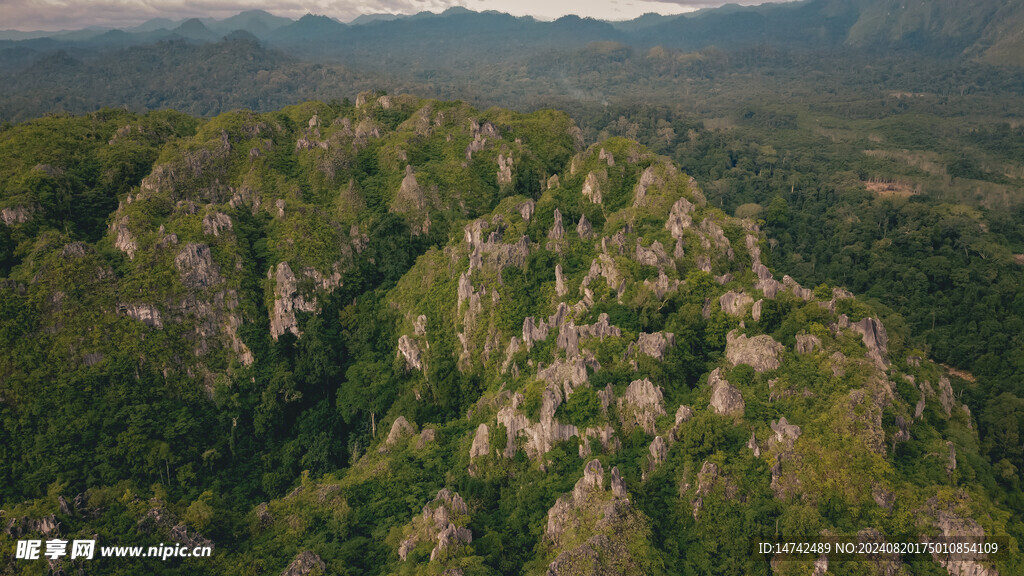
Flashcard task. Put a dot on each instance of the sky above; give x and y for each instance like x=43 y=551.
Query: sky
x=77 y=14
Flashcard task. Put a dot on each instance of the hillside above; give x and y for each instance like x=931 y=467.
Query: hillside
x=405 y=336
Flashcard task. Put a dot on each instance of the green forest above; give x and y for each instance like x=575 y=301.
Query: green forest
x=606 y=303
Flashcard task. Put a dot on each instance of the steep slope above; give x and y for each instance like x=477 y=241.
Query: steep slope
x=429 y=340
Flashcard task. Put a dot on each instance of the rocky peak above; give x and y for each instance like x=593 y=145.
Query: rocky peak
x=443 y=521
x=481 y=442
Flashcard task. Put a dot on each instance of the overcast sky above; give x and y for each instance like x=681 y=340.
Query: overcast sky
x=75 y=14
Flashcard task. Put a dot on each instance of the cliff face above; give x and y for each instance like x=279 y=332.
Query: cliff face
x=589 y=400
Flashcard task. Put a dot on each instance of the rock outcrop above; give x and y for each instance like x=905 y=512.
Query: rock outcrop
x=725 y=398
x=590 y=528
x=735 y=303
x=760 y=352
x=443 y=522
x=288 y=299
x=654 y=345
x=807 y=343
x=481 y=442
x=400 y=428
x=641 y=405
x=196 y=268
x=410 y=350
x=305 y=563
x=592 y=188
x=145 y=313
x=875 y=340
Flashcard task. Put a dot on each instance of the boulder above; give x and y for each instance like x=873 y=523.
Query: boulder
x=401 y=428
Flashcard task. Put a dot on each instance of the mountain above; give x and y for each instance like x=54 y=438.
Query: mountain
x=256 y=22
x=371 y=18
x=407 y=336
x=193 y=29
x=309 y=31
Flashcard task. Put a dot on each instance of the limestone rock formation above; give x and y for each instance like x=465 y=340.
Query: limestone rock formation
x=735 y=303
x=288 y=299
x=12 y=215
x=654 y=345
x=305 y=563
x=410 y=350
x=591 y=528
x=216 y=222
x=481 y=442
x=807 y=343
x=641 y=405
x=196 y=267
x=400 y=428
x=584 y=229
x=760 y=352
x=443 y=522
x=145 y=313
x=592 y=188
x=875 y=340
x=725 y=398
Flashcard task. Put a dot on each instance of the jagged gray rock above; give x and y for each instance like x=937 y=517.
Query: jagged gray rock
x=946 y=397
x=305 y=563
x=785 y=433
x=400 y=428
x=12 y=215
x=196 y=267
x=755 y=310
x=654 y=345
x=735 y=303
x=145 y=313
x=592 y=188
x=641 y=405
x=725 y=398
x=481 y=442
x=760 y=352
x=557 y=230
x=410 y=350
x=875 y=340
x=807 y=343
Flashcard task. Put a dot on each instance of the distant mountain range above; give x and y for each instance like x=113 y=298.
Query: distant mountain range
x=991 y=30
